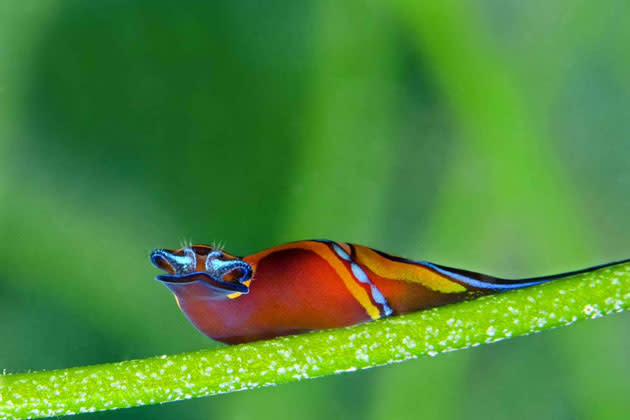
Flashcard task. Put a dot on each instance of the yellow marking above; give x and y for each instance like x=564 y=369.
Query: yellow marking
x=237 y=294
x=328 y=255
x=179 y=305
x=396 y=270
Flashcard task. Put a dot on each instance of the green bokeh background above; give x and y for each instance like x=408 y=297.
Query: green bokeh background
x=493 y=136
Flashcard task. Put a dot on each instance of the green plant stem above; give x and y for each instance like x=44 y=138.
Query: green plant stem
x=228 y=369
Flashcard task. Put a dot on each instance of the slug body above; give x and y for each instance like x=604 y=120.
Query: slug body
x=310 y=285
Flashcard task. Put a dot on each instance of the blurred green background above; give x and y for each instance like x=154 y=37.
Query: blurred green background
x=487 y=135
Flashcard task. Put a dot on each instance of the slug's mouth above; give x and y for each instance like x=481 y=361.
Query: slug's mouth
x=207 y=279
x=214 y=268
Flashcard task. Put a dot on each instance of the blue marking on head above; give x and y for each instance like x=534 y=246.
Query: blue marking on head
x=218 y=267
x=180 y=264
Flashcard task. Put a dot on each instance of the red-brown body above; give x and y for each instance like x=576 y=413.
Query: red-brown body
x=309 y=285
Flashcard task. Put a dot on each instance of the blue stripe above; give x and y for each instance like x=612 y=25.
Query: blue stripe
x=359 y=274
x=340 y=252
x=478 y=283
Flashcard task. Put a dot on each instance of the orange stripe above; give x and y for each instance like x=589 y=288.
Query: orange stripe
x=327 y=254
x=396 y=270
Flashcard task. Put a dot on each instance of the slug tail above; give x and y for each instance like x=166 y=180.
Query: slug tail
x=486 y=282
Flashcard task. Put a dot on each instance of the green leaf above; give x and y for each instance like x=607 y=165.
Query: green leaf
x=228 y=369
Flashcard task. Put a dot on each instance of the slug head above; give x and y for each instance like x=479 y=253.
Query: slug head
x=220 y=273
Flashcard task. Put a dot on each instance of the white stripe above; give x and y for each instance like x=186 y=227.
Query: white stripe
x=342 y=254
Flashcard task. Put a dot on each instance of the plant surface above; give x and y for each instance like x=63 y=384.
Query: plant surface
x=248 y=366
